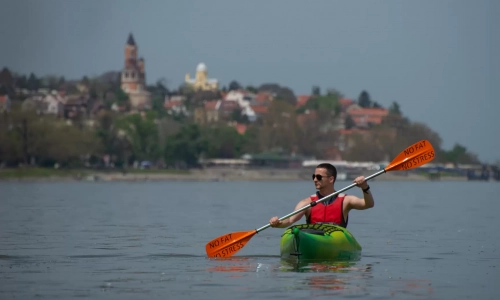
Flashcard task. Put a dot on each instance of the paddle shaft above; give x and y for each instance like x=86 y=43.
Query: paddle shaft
x=322 y=199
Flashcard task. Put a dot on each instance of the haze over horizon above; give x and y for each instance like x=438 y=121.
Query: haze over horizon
x=438 y=60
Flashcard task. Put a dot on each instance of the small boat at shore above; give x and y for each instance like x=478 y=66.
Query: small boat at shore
x=319 y=242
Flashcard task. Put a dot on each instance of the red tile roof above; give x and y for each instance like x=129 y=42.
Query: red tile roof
x=241 y=128
x=369 y=111
x=259 y=109
x=171 y=104
x=352 y=131
x=211 y=105
x=302 y=100
x=361 y=120
x=368 y=115
x=345 y=102
x=263 y=97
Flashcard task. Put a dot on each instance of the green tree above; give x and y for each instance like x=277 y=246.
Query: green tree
x=159 y=89
x=316 y=91
x=284 y=93
x=161 y=86
x=237 y=116
x=252 y=89
x=394 y=109
x=250 y=139
x=328 y=103
x=142 y=134
x=22 y=82
x=279 y=128
x=364 y=100
x=121 y=97
x=185 y=90
x=113 y=144
x=66 y=145
x=7 y=82
x=223 y=142
x=349 y=122
x=33 y=82
x=395 y=118
x=395 y=139
x=27 y=137
x=234 y=86
x=334 y=92
x=183 y=149
x=85 y=81
x=364 y=147
x=459 y=155
x=157 y=106
x=51 y=82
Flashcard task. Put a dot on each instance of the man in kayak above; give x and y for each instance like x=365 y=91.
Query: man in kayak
x=334 y=210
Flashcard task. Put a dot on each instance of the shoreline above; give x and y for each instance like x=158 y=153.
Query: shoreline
x=210 y=175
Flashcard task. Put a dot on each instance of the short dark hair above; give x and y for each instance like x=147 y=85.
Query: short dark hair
x=330 y=169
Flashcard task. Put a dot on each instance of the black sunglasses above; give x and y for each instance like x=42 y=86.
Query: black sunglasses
x=319 y=177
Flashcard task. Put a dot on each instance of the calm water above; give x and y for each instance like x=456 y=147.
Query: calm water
x=146 y=240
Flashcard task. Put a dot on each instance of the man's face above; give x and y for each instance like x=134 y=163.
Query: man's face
x=325 y=179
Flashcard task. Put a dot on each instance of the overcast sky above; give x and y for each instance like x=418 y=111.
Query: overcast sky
x=438 y=59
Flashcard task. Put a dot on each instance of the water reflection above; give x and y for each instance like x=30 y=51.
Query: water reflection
x=320 y=276
x=340 y=276
x=415 y=287
x=232 y=264
x=323 y=266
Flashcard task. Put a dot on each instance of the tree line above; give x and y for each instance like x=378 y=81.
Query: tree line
x=177 y=142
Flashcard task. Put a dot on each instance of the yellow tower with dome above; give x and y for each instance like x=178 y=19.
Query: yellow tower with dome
x=201 y=80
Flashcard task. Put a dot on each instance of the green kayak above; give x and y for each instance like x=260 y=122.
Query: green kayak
x=319 y=242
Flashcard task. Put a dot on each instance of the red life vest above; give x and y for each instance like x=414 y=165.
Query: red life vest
x=328 y=213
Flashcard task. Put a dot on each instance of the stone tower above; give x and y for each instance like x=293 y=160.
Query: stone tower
x=133 y=79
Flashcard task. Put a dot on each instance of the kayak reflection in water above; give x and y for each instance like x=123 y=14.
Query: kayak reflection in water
x=334 y=210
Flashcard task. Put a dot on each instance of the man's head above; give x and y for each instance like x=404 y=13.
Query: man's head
x=325 y=174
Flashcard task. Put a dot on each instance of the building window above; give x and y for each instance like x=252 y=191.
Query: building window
x=126 y=74
x=133 y=75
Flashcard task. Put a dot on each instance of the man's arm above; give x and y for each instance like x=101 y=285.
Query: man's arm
x=275 y=222
x=353 y=202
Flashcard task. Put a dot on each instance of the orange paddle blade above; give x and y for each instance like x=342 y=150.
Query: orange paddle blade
x=412 y=157
x=228 y=244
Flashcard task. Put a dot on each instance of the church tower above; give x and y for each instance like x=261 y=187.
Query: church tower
x=130 y=52
x=133 y=78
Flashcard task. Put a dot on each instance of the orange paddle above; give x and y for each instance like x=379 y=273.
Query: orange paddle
x=412 y=157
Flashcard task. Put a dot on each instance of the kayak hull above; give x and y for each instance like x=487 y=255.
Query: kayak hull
x=319 y=242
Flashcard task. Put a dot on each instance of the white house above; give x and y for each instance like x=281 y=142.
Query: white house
x=243 y=99
x=53 y=104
